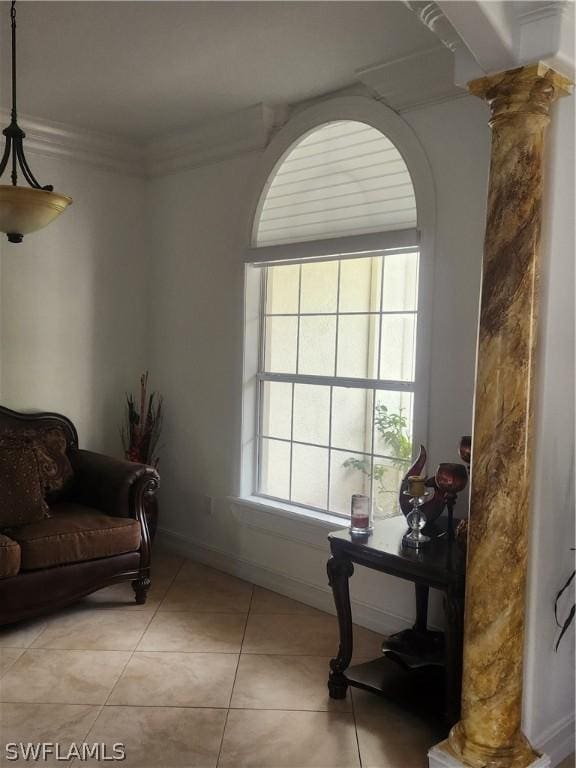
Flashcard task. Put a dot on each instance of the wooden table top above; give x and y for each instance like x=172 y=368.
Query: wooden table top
x=438 y=562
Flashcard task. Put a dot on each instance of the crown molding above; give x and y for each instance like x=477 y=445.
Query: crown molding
x=529 y=12
x=51 y=139
x=425 y=77
x=409 y=83
x=244 y=131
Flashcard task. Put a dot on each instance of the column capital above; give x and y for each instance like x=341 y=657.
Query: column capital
x=525 y=91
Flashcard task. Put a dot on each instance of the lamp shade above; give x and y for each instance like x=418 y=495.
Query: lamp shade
x=25 y=209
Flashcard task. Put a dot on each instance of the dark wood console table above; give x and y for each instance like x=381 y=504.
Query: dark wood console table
x=419 y=668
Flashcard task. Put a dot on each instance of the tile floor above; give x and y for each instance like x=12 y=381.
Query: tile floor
x=212 y=671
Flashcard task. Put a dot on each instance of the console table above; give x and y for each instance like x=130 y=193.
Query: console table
x=419 y=668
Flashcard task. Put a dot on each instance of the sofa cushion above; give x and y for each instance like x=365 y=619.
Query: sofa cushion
x=73 y=534
x=21 y=493
x=9 y=557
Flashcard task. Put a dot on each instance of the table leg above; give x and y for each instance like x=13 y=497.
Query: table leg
x=454 y=609
x=421 y=624
x=339 y=572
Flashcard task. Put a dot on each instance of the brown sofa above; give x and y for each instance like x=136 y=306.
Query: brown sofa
x=94 y=531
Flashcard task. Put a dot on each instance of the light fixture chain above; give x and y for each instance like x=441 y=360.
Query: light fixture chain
x=13 y=23
x=14 y=173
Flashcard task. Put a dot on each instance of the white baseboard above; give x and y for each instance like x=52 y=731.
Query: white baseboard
x=557 y=741
x=366 y=615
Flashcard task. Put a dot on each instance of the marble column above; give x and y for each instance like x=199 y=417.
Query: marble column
x=489 y=732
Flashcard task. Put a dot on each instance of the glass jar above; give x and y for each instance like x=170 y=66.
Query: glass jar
x=361 y=515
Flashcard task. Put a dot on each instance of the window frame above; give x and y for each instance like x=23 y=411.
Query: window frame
x=395 y=128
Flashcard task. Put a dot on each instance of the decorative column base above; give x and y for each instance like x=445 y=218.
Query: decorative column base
x=441 y=756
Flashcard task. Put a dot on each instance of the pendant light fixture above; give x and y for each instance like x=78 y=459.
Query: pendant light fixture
x=23 y=209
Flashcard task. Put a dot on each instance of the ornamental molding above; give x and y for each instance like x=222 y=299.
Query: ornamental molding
x=433 y=17
x=489 y=36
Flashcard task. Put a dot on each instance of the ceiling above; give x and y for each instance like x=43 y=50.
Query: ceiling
x=141 y=69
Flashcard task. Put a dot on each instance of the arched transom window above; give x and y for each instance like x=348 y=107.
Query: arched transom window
x=342 y=179
x=336 y=256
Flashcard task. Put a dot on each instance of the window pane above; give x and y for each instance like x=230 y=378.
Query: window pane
x=351 y=419
x=281 y=340
x=310 y=476
x=338 y=319
x=275 y=468
x=397 y=351
x=393 y=424
x=360 y=285
x=316 y=355
x=386 y=486
x=276 y=418
x=357 y=346
x=282 y=288
x=311 y=413
x=319 y=287
x=400 y=282
x=349 y=474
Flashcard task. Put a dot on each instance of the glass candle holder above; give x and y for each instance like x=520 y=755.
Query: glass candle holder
x=416 y=520
x=361 y=515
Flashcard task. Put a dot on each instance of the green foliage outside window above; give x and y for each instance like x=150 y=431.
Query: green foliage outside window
x=393 y=429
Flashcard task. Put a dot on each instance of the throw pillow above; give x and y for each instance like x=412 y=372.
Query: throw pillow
x=54 y=465
x=21 y=493
x=50 y=446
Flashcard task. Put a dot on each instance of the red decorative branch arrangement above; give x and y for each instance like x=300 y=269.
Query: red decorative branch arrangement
x=143 y=425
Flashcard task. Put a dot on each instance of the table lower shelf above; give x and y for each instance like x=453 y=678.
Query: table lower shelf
x=420 y=691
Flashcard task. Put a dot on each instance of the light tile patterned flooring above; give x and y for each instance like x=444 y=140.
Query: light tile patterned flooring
x=212 y=671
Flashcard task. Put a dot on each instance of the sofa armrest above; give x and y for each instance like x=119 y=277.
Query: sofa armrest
x=115 y=486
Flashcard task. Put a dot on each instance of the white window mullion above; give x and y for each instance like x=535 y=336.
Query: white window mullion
x=329 y=447
x=356 y=247
x=291 y=443
x=293 y=383
x=339 y=381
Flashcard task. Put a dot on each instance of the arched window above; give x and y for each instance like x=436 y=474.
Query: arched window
x=344 y=178
x=336 y=258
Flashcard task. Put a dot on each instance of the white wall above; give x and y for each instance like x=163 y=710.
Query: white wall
x=549 y=676
x=456 y=138
x=196 y=357
x=73 y=303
